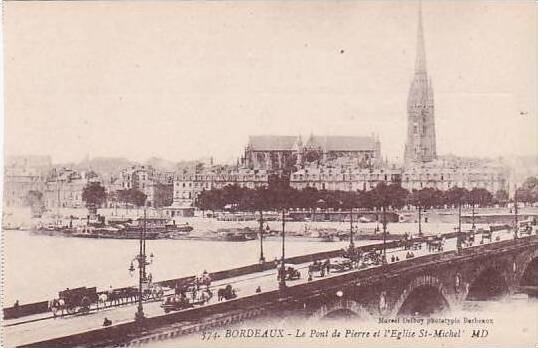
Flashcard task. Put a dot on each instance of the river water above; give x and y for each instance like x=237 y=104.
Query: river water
x=36 y=267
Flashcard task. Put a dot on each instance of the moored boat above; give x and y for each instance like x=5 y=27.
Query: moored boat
x=236 y=234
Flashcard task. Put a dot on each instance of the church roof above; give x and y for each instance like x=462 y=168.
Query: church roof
x=272 y=142
x=342 y=143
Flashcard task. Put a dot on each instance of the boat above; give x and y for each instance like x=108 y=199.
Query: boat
x=236 y=234
x=10 y=227
x=236 y=217
x=108 y=232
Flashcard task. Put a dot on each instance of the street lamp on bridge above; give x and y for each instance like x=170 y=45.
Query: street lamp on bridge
x=142 y=261
x=351 y=242
x=282 y=271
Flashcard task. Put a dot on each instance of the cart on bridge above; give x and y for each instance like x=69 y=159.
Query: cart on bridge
x=74 y=301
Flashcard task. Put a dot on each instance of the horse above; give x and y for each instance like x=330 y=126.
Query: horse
x=202 y=296
x=204 y=279
x=57 y=304
x=226 y=293
x=85 y=305
x=102 y=299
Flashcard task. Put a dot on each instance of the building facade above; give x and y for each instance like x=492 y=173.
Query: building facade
x=157 y=186
x=343 y=178
x=64 y=187
x=444 y=174
x=188 y=185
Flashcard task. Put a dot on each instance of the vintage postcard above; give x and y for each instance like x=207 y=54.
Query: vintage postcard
x=270 y=173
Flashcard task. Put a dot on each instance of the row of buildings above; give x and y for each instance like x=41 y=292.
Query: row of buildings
x=61 y=187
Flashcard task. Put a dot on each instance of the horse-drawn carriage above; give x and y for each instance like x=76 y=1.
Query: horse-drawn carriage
x=288 y=272
x=151 y=291
x=435 y=244
x=371 y=258
x=74 y=301
x=176 y=303
x=341 y=264
x=184 y=300
x=526 y=227
x=486 y=235
x=317 y=268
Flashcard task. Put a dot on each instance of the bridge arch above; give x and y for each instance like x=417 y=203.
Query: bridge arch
x=527 y=270
x=488 y=283
x=343 y=306
x=424 y=295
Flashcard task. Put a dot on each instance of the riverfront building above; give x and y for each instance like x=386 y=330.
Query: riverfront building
x=156 y=185
x=188 y=185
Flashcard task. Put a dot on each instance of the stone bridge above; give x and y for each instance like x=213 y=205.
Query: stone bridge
x=423 y=286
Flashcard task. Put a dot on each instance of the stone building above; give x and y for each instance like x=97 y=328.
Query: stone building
x=286 y=153
x=271 y=152
x=363 y=152
x=188 y=185
x=448 y=172
x=157 y=186
x=64 y=187
x=343 y=178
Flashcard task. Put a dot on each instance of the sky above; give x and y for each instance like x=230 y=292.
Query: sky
x=184 y=80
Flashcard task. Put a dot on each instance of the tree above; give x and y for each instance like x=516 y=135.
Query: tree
x=501 y=197
x=132 y=196
x=384 y=196
x=210 y=200
x=480 y=197
x=528 y=192
x=456 y=196
x=93 y=195
x=426 y=197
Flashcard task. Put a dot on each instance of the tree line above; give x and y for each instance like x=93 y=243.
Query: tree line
x=278 y=195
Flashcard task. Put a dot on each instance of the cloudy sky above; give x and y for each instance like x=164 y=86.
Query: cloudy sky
x=182 y=80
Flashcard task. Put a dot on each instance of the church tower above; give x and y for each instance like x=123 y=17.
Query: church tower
x=420 y=145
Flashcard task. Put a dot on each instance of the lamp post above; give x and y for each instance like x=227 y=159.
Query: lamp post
x=351 y=242
x=515 y=214
x=419 y=219
x=384 y=234
x=141 y=259
x=459 y=216
x=262 y=258
x=473 y=213
x=282 y=282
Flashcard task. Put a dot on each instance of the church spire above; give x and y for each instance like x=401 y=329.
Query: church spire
x=420 y=63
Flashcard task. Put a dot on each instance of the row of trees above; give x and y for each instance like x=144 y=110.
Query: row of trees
x=280 y=195
x=94 y=195
x=528 y=192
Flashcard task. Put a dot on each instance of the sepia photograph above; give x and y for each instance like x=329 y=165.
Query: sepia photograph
x=269 y=173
